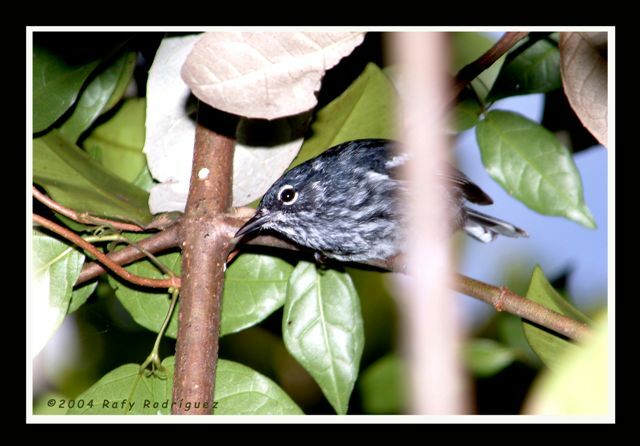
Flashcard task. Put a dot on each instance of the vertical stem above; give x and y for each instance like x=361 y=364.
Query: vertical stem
x=204 y=253
x=432 y=336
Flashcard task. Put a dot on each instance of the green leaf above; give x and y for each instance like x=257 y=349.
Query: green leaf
x=364 y=110
x=80 y=295
x=50 y=403
x=545 y=294
x=529 y=162
x=239 y=391
x=466 y=113
x=102 y=93
x=580 y=383
x=382 y=386
x=56 y=84
x=254 y=287
x=148 y=307
x=530 y=68
x=74 y=180
x=243 y=391
x=144 y=180
x=467 y=47
x=74 y=225
x=56 y=267
x=510 y=333
x=486 y=357
x=124 y=80
x=124 y=391
x=379 y=311
x=549 y=346
x=322 y=328
x=117 y=144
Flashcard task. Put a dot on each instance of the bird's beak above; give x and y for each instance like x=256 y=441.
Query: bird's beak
x=253 y=224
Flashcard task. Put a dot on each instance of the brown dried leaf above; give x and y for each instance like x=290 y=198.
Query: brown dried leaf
x=264 y=74
x=583 y=62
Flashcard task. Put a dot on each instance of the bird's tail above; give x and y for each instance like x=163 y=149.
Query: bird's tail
x=486 y=228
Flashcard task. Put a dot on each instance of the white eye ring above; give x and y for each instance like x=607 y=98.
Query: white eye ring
x=288 y=200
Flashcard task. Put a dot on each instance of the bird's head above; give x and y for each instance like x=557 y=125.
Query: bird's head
x=292 y=203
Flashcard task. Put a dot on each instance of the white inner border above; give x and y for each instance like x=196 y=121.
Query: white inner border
x=336 y=418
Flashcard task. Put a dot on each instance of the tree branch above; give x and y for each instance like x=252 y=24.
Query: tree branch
x=504 y=299
x=126 y=275
x=163 y=240
x=83 y=217
x=470 y=71
x=501 y=298
x=205 y=247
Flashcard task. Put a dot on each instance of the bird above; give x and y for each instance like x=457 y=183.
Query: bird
x=345 y=204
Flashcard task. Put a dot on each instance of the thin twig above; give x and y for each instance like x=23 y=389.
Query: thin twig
x=83 y=217
x=158 y=242
x=154 y=357
x=501 y=298
x=504 y=299
x=470 y=71
x=120 y=271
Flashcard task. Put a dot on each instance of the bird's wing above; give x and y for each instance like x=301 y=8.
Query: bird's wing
x=391 y=162
x=469 y=190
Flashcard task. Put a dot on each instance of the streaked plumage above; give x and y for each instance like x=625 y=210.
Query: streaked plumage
x=345 y=204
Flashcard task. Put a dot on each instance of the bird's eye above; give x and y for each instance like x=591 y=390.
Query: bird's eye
x=287 y=194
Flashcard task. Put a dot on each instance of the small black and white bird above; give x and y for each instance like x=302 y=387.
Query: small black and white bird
x=345 y=204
